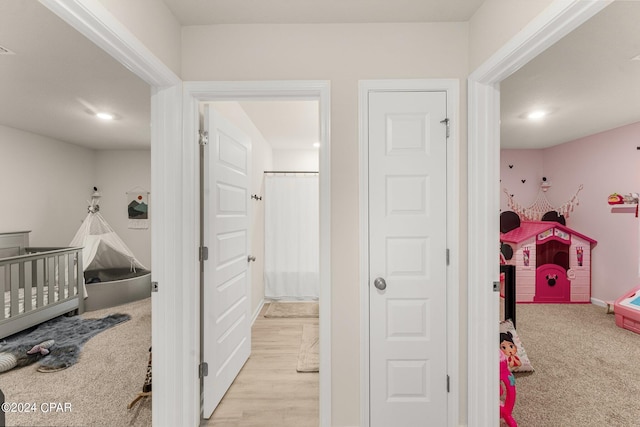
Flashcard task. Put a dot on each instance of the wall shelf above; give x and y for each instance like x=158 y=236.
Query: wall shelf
x=624 y=208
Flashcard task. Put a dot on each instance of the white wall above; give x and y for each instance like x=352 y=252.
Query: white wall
x=117 y=172
x=342 y=54
x=296 y=160
x=496 y=22
x=261 y=160
x=45 y=185
x=152 y=22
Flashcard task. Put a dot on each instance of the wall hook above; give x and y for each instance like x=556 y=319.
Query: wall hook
x=255 y=196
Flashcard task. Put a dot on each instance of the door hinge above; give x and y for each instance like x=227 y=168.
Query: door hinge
x=496 y=286
x=203 y=253
x=154 y=286
x=446 y=123
x=203 y=137
x=203 y=370
x=448 y=384
x=447 y=256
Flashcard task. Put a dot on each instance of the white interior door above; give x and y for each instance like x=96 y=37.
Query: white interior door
x=226 y=295
x=407 y=254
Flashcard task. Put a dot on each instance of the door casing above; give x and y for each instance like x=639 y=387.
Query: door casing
x=198 y=92
x=451 y=87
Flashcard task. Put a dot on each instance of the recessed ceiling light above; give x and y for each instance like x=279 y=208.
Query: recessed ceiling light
x=105 y=116
x=316 y=144
x=536 y=115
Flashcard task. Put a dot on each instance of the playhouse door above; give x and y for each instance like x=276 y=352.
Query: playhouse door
x=407 y=259
x=552 y=284
x=226 y=295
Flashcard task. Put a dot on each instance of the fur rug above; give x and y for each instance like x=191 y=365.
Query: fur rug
x=56 y=343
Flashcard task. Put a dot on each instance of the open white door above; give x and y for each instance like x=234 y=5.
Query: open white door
x=226 y=294
x=407 y=258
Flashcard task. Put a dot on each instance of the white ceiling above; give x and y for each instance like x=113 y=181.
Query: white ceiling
x=587 y=81
x=57 y=77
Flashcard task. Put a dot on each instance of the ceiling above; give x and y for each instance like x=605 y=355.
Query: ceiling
x=587 y=81
x=57 y=78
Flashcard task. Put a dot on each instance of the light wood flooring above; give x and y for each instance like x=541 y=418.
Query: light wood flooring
x=269 y=392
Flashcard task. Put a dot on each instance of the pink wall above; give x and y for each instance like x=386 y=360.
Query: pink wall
x=604 y=163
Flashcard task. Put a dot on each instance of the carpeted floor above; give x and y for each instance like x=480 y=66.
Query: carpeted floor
x=97 y=389
x=585 y=368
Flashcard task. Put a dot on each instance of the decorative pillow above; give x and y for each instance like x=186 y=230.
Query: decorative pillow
x=513 y=349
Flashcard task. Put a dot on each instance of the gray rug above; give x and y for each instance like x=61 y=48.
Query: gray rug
x=292 y=309
x=55 y=344
x=308 y=357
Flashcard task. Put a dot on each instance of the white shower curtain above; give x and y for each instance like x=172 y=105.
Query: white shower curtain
x=291 y=236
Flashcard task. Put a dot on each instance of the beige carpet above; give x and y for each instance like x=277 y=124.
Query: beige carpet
x=586 y=368
x=109 y=374
x=308 y=357
x=292 y=309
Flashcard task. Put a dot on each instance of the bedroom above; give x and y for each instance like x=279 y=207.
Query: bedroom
x=593 y=80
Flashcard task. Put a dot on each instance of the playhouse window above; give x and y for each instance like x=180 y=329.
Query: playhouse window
x=553 y=252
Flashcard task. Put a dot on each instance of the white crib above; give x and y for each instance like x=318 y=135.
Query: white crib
x=37 y=284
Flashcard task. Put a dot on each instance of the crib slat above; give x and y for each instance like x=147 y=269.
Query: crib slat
x=80 y=281
x=42 y=279
x=3 y=286
x=53 y=264
x=28 y=288
x=15 y=291
x=70 y=275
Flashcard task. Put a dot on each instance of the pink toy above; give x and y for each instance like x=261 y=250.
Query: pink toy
x=627 y=310
x=508 y=390
x=553 y=262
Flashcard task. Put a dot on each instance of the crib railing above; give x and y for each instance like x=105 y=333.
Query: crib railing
x=40 y=278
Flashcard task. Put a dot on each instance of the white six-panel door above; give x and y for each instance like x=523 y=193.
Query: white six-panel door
x=226 y=305
x=407 y=254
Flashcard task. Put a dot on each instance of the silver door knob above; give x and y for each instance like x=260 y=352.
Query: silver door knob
x=379 y=283
x=251 y=258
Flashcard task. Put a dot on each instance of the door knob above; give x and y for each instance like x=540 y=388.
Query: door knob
x=379 y=283
x=251 y=258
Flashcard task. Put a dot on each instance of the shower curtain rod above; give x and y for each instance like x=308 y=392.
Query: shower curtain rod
x=300 y=172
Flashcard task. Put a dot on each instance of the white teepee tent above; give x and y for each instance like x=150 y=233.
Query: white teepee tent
x=103 y=249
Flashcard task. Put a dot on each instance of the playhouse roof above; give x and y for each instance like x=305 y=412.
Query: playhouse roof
x=530 y=229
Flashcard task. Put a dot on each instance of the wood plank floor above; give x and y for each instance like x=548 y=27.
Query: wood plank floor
x=269 y=392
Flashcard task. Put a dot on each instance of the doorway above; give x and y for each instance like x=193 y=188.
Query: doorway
x=199 y=92
x=244 y=228
x=406 y=192
x=484 y=195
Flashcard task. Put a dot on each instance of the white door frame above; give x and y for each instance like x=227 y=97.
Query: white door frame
x=556 y=21
x=451 y=86
x=197 y=92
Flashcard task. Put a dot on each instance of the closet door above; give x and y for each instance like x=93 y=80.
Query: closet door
x=407 y=259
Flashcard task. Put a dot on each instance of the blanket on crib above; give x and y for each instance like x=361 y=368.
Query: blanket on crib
x=55 y=344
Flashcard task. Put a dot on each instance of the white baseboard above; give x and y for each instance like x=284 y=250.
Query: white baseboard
x=257 y=312
x=598 y=302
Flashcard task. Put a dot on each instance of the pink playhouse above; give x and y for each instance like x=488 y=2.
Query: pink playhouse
x=553 y=262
